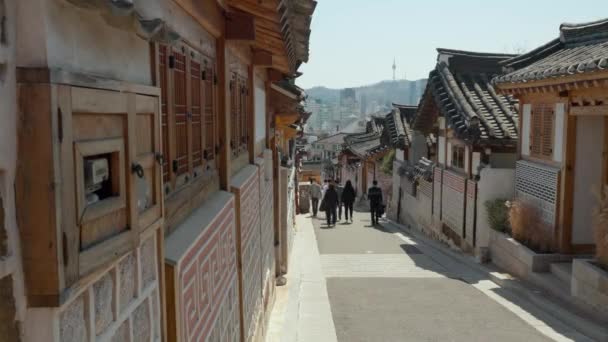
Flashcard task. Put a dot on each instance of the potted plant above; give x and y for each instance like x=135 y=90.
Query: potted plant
x=524 y=244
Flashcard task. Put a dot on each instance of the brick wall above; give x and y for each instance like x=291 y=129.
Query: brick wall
x=437 y=189
x=267 y=232
x=471 y=197
x=453 y=201
x=201 y=273
x=247 y=191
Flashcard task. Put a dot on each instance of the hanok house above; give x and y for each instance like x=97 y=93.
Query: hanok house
x=562 y=90
x=562 y=87
x=477 y=134
x=143 y=166
x=361 y=158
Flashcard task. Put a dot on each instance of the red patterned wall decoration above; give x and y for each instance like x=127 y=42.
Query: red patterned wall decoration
x=201 y=272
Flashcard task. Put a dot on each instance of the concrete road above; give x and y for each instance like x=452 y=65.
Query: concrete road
x=384 y=285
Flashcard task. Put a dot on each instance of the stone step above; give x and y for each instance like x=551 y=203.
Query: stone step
x=551 y=284
x=562 y=270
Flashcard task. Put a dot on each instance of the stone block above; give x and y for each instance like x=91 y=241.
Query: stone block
x=9 y=329
x=123 y=333
x=148 y=263
x=72 y=323
x=590 y=284
x=141 y=323
x=103 y=298
x=128 y=280
x=155 y=315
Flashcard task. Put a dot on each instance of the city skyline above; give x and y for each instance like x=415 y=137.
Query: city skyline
x=409 y=33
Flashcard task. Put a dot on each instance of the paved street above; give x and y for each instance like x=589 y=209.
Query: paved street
x=382 y=284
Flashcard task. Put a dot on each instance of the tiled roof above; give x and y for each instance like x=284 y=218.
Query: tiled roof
x=397 y=129
x=337 y=138
x=367 y=143
x=580 y=49
x=423 y=168
x=460 y=89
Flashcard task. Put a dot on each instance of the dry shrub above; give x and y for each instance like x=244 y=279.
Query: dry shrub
x=528 y=227
x=600 y=227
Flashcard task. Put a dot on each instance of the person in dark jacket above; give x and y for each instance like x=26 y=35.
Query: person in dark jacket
x=348 y=198
x=374 y=194
x=339 y=190
x=331 y=204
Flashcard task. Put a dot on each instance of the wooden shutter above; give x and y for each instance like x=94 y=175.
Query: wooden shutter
x=210 y=120
x=547 y=140
x=244 y=114
x=536 y=130
x=196 y=112
x=542 y=131
x=180 y=162
x=234 y=113
x=164 y=69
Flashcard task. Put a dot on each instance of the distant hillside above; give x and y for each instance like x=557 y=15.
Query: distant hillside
x=383 y=93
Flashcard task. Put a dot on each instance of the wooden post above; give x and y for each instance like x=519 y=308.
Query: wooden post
x=251 y=119
x=566 y=188
x=223 y=109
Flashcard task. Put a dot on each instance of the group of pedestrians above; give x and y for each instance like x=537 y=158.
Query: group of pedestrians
x=334 y=197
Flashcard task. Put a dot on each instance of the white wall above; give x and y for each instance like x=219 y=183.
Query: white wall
x=260 y=108
x=493 y=184
x=587 y=175
x=441 y=150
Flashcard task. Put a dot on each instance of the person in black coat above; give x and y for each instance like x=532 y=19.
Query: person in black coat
x=374 y=194
x=331 y=204
x=348 y=199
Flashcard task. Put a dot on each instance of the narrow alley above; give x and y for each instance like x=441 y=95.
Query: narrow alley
x=356 y=282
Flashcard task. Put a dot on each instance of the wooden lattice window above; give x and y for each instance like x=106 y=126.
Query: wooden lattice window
x=244 y=114
x=542 y=119
x=163 y=84
x=188 y=113
x=180 y=110
x=210 y=113
x=196 y=112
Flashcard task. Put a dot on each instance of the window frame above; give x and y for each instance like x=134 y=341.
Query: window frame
x=207 y=118
x=541 y=116
x=458 y=157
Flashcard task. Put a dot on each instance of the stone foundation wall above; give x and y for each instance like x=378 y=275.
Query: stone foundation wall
x=118 y=303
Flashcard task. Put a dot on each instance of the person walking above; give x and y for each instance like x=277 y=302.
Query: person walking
x=331 y=204
x=315 y=194
x=348 y=198
x=339 y=190
x=374 y=194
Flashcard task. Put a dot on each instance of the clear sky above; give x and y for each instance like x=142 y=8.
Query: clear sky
x=353 y=42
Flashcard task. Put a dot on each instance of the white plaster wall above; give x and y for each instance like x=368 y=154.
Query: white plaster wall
x=441 y=150
x=418 y=147
x=260 y=108
x=587 y=176
x=57 y=34
x=399 y=154
x=559 y=122
x=11 y=263
x=493 y=184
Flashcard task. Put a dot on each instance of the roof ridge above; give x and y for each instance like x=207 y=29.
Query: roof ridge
x=475 y=53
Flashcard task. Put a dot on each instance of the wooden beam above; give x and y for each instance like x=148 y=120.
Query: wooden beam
x=275 y=75
x=262 y=58
x=601 y=110
x=240 y=26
